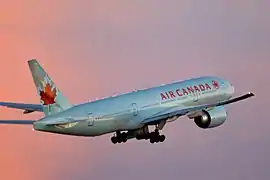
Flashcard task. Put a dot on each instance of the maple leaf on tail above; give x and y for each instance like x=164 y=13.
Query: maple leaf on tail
x=48 y=95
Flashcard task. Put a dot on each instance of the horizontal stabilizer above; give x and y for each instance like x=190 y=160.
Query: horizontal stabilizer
x=27 y=107
x=22 y=122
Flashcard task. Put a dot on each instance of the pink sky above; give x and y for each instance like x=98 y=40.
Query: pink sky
x=98 y=48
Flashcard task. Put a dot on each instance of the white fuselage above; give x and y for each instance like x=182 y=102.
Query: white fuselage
x=128 y=111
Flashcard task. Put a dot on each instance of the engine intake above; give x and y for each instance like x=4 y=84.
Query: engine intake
x=211 y=118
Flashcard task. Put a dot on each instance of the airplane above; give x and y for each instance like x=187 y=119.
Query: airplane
x=130 y=115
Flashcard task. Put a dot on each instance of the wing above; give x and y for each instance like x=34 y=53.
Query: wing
x=23 y=122
x=171 y=112
x=28 y=108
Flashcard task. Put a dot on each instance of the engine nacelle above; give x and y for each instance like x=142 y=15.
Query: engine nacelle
x=211 y=118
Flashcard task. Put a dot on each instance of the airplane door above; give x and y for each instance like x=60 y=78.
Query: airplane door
x=90 y=120
x=134 y=109
x=197 y=96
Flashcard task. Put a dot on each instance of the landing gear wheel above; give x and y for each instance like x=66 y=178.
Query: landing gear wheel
x=123 y=137
x=114 y=140
x=147 y=136
x=155 y=137
x=119 y=138
x=162 y=138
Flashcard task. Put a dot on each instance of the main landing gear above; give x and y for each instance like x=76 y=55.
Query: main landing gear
x=119 y=138
x=155 y=137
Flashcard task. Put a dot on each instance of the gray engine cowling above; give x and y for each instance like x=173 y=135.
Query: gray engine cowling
x=211 y=118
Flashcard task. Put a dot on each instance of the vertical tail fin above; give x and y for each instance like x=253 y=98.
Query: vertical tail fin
x=51 y=98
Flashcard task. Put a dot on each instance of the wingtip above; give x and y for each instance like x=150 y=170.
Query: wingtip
x=251 y=93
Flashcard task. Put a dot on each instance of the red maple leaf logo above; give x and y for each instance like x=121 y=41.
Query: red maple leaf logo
x=215 y=84
x=48 y=95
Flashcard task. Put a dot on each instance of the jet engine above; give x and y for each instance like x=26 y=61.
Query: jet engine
x=211 y=118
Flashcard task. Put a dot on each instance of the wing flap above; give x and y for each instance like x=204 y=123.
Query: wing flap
x=181 y=112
